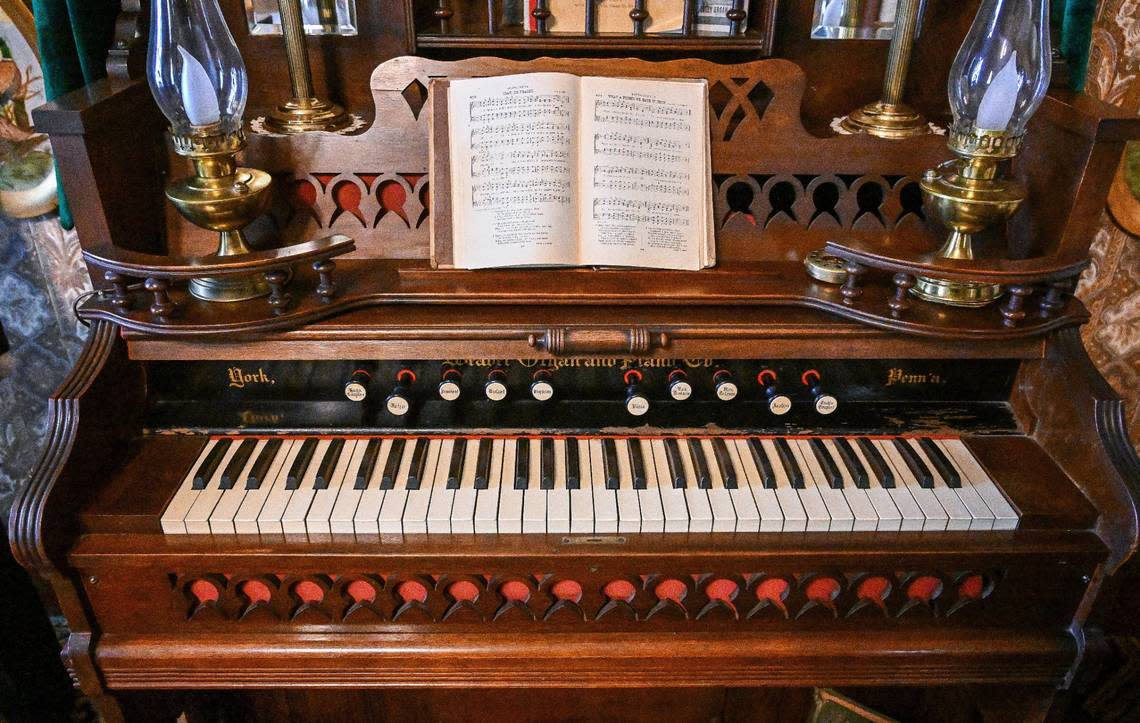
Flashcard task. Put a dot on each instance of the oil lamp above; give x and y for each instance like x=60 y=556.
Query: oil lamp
x=199 y=81
x=997 y=81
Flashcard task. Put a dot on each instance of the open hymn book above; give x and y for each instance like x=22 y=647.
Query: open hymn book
x=553 y=169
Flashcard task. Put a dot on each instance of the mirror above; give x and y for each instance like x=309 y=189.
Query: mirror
x=857 y=19
x=321 y=17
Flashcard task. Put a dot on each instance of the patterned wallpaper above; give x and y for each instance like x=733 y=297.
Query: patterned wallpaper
x=1111 y=286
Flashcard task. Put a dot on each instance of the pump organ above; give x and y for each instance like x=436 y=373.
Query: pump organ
x=739 y=479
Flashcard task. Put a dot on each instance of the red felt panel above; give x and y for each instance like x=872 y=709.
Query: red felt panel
x=671 y=589
x=411 y=590
x=392 y=197
x=463 y=590
x=619 y=590
x=722 y=589
x=822 y=590
x=971 y=587
x=874 y=589
x=256 y=591
x=924 y=587
x=204 y=591
x=774 y=589
x=309 y=592
x=567 y=590
x=514 y=590
x=360 y=591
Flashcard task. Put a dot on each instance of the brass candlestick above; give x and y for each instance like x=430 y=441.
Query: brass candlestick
x=968 y=196
x=303 y=112
x=222 y=197
x=890 y=117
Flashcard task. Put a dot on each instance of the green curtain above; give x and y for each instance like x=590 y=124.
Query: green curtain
x=73 y=36
x=1073 y=22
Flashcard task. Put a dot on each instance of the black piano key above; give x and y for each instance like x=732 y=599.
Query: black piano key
x=210 y=465
x=547 y=464
x=328 y=464
x=419 y=463
x=392 y=464
x=610 y=463
x=573 y=474
x=367 y=463
x=879 y=465
x=676 y=469
x=827 y=463
x=941 y=462
x=522 y=463
x=700 y=465
x=915 y=464
x=261 y=466
x=760 y=457
x=637 y=464
x=455 y=468
x=300 y=463
x=851 y=462
x=724 y=463
x=237 y=463
x=483 y=466
x=788 y=460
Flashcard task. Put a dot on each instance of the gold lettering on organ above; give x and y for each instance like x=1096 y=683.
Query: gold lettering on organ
x=897 y=375
x=239 y=378
x=622 y=363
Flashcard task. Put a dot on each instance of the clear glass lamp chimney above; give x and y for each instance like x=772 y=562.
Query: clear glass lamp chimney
x=1001 y=72
x=195 y=71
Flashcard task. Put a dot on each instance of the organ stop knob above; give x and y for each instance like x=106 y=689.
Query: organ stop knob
x=542 y=388
x=449 y=384
x=679 y=387
x=726 y=389
x=636 y=403
x=824 y=402
x=356 y=389
x=399 y=401
x=496 y=385
x=778 y=402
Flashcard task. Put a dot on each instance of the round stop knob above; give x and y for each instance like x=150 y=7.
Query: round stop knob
x=495 y=388
x=356 y=389
x=679 y=387
x=778 y=402
x=636 y=403
x=449 y=389
x=824 y=402
x=725 y=386
x=542 y=388
x=399 y=401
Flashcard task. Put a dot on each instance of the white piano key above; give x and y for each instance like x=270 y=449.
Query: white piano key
x=1005 y=516
x=197 y=519
x=416 y=507
x=887 y=513
x=696 y=498
x=958 y=515
x=487 y=502
x=628 y=504
x=439 y=508
x=391 y=519
x=756 y=508
x=558 y=499
x=463 y=505
x=983 y=518
x=183 y=499
x=863 y=511
x=317 y=520
x=534 y=497
x=366 y=519
x=582 y=499
x=293 y=519
x=791 y=506
x=818 y=519
x=652 y=515
x=605 y=502
x=720 y=500
x=245 y=519
x=673 y=503
x=269 y=516
x=222 y=517
x=841 y=519
x=510 y=499
x=936 y=518
x=340 y=518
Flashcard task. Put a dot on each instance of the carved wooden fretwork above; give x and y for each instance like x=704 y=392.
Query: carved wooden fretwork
x=682 y=598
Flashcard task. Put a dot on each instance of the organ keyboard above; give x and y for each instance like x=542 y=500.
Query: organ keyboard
x=574 y=484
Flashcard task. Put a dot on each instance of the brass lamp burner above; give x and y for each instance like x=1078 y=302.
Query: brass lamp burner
x=967 y=195
x=221 y=197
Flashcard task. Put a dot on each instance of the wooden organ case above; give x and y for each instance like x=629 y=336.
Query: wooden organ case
x=451 y=616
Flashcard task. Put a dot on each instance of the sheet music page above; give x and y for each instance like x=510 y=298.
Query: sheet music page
x=514 y=169
x=643 y=173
